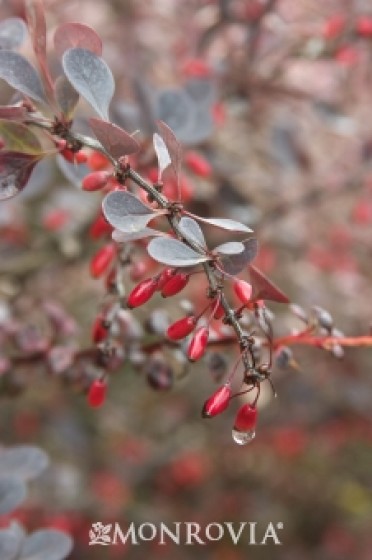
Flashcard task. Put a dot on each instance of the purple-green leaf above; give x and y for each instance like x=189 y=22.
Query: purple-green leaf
x=13 y=32
x=114 y=139
x=67 y=97
x=91 y=77
x=234 y=264
x=19 y=138
x=21 y=75
x=173 y=252
x=15 y=171
x=72 y=35
x=126 y=212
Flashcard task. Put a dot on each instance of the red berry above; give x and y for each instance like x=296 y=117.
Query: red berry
x=347 y=55
x=99 y=331
x=164 y=277
x=364 y=26
x=246 y=418
x=102 y=259
x=56 y=219
x=218 y=402
x=95 y=181
x=100 y=227
x=97 y=161
x=196 y=68
x=68 y=154
x=175 y=284
x=142 y=292
x=198 y=164
x=243 y=290
x=80 y=157
x=198 y=344
x=181 y=328
x=97 y=393
x=334 y=26
x=219 y=312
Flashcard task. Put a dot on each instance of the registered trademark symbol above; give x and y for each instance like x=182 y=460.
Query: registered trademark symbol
x=279 y=525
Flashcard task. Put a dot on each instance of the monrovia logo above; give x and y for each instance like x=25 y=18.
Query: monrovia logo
x=185 y=533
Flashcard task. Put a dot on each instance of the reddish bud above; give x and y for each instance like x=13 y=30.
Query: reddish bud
x=198 y=164
x=99 y=330
x=246 y=418
x=97 y=393
x=142 y=293
x=364 y=26
x=181 y=328
x=175 y=284
x=243 y=290
x=198 y=344
x=102 y=259
x=95 y=181
x=100 y=227
x=218 y=402
x=334 y=26
x=97 y=161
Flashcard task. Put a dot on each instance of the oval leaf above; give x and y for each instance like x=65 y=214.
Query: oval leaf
x=15 y=171
x=12 y=493
x=71 y=35
x=230 y=248
x=23 y=461
x=125 y=212
x=21 y=75
x=46 y=544
x=10 y=541
x=19 y=138
x=114 y=139
x=174 y=149
x=233 y=264
x=174 y=253
x=162 y=154
x=13 y=32
x=67 y=97
x=124 y=237
x=263 y=288
x=91 y=77
x=225 y=223
x=191 y=229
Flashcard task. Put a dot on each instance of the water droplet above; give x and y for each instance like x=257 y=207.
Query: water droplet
x=242 y=438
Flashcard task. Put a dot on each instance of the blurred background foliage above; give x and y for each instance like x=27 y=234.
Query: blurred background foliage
x=289 y=140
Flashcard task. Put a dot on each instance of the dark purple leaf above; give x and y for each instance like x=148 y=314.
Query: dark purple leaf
x=10 y=541
x=13 y=32
x=15 y=171
x=67 y=97
x=21 y=75
x=12 y=493
x=12 y=112
x=225 y=223
x=91 y=77
x=173 y=146
x=124 y=237
x=72 y=35
x=233 y=264
x=263 y=288
x=114 y=139
x=230 y=248
x=37 y=26
x=191 y=229
x=46 y=544
x=173 y=252
x=19 y=138
x=23 y=461
x=126 y=212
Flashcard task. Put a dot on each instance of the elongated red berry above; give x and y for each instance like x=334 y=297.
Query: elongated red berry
x=81 y=157
x=97 y=393
x=97 y=161
x=100 y=227
x=246 y=418
x=198 y=164
x=164 y=277
x=334 y=26
x=102 y=260
x=182 y=328
x=142 y=293
x=99 y=330
x=198 y=344
x=95 y=181
x=364 y=26
x=68 y=154
x=218 y=402
x=175 y=284
x=243 y=290
x=219 y=311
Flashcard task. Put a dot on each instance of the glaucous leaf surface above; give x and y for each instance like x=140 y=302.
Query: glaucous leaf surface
x=13 y=32
x=46 y=544
x=72 y=35
x=91 y=77
x=73 y=173
x=10 y=541
x=21 y=75
x=12 y=493
x=174 y=253
x=192 y=230
x=125 y=212
x=225 y=223
x=162 y=154
x=234 y=264
x=230 y=248
x=116 y=141
x=23 y=461
x=123 y=237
